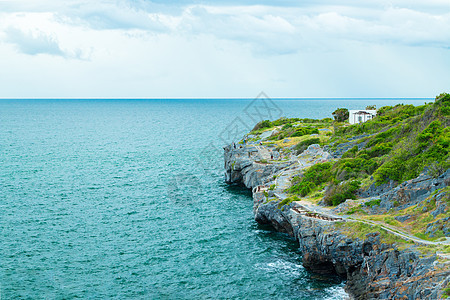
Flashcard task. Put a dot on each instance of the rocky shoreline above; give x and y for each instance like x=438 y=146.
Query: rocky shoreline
x=372 y=268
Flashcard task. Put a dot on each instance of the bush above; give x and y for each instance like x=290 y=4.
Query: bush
x=287 y=126
x=351 y=152
x=287 y=201
x=304 y=131
x=304 y=188
x=283 y=121
x=359 y=167
x=373 y=203
x=290 y=131
x=379 y=150
x=262 y=125
x=341 y=115
x=315 y=176
x=404 y=141
x=390 y=170
x=336 y=194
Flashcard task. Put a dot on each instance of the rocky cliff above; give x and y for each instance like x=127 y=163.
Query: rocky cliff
x=373 y=268
x=245 y=166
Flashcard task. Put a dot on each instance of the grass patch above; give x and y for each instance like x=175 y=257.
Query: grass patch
x=373 y=203
x=360 y=230
x=356 y=209
x=287 y=201
x=446 y=293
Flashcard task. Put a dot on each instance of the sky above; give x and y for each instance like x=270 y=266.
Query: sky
x=224 y=48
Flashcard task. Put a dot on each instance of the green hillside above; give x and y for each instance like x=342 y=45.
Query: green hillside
x=398 y=144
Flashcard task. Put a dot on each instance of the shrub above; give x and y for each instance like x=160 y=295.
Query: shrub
x=341 y=115
x=287 y=201
x=315 y=176
x=351 y=152
x=283 y=121
x=356 y=209
x=304 y=188
x=336 y=194
x=390 y=170
x=287 y=126
x=304 y=131
x=290 y=131
x=373 y=203
x=262 y=124
x=379 y=150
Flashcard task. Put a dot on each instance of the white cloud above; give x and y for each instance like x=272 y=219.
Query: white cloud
x=142 y=49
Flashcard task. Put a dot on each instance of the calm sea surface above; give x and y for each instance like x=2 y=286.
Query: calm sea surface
x=125 y=199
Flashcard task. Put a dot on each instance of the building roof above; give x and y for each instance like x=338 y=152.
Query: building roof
x=362 y=112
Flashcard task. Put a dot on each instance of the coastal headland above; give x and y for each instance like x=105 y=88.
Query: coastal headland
x=369 y=202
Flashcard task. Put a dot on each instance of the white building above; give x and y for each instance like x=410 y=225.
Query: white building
x=361 y=116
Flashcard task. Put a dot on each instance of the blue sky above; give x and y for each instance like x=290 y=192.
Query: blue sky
x=152 y=49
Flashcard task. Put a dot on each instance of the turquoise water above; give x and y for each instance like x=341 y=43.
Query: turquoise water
x=125 y=199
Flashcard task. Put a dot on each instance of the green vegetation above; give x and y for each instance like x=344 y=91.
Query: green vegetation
x=406 y=140
x=446 y=291
x=356 y=209
x=391 y=221
x=360 y=230
x=419 y=216
x=287 y=201
x=291 y=127
x=338 y=193
x=402 y=141
x=291 y=131
x=300 y=147
x=262 y=125
x=312 y=180
x=373 y=203
x=341 y=115
x=272 y=187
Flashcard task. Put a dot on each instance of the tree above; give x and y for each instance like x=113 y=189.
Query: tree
x=371 y=107
x=341 y=114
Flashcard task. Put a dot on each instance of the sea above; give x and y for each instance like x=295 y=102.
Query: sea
x=125 y=199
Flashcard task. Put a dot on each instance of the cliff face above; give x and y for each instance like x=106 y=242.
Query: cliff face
x=373 y=269
x=243 y=166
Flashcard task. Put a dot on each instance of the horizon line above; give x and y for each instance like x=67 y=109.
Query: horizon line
x=216 y=98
